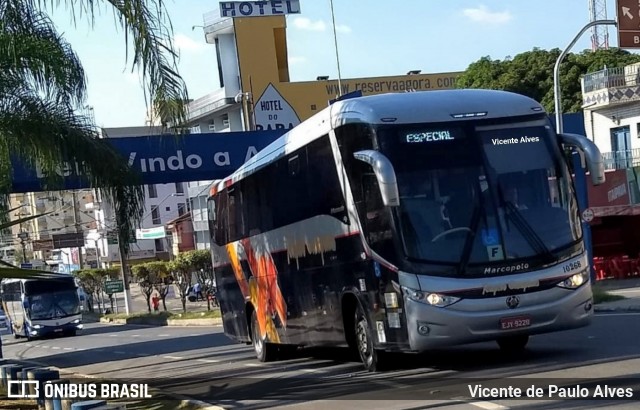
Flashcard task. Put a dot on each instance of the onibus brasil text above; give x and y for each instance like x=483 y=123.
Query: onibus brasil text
x=50 y=390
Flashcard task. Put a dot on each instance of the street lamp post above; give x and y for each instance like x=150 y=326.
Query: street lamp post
x=556 y=70
x=580 y=178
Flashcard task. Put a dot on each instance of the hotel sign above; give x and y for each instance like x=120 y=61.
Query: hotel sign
x=259 y=8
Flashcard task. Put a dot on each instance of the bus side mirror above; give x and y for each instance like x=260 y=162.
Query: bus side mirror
x=384 y=173
x=591 y=153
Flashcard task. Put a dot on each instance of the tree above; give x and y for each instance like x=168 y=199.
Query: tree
x=158 y=273
x=531 y=74
x=202 y=263
x=43 y=92
x=143 y=277
x=93 y=280
x=182 y=268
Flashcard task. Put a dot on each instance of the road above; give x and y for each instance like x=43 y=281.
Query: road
x=202 y=363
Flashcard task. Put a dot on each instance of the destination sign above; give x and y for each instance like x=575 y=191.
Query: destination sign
x=428 y=136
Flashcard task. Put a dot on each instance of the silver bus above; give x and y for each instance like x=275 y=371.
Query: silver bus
x=405 y=222
x=41 y=307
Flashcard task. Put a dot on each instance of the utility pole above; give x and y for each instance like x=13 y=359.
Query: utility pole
x=23 y=238
x=76 y=220
x=125 y=271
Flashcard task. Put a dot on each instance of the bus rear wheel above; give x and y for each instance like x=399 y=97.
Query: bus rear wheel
x=372 y=359
x=513 y=344
x=265 y=352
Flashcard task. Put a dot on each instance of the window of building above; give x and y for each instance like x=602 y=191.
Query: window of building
x=182 y=209
x=153 y=193
x=159 y=245
x=168 y=208
x=179 y=188
x=155 y=215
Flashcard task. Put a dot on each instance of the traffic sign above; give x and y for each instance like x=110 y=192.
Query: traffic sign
x=26 y=266
x=628 y=23
x=587 y=215
x=113 y=286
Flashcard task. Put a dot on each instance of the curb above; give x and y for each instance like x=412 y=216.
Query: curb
x=168 y=322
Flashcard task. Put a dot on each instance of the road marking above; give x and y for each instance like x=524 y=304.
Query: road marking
x=253 y=365
x=44 y=347
x=28 y=344
x=173 y=357
x=208 y=360
x=163 y=335
x=603 y=314
x=135 y=335
x=68 y=348
x=487 y=405
x=113 y=335
x=119 y=352
x=55 y=348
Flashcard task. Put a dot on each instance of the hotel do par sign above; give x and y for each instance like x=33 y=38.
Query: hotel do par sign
x=259 y=8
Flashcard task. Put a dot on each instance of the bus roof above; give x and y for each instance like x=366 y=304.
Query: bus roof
x=394 y=108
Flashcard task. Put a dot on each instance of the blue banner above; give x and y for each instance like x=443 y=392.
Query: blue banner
x=163 y=159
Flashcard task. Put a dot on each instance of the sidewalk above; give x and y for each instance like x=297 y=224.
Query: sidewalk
x=139 y=304
x=629 y=288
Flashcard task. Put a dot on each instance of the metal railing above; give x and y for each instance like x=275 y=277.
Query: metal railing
x=621 y=159
x=628 y=76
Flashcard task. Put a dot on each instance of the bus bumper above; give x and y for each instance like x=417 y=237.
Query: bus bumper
x=469 y=321
x=43 y=330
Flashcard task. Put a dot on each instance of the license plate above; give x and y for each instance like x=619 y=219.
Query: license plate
x=515 y=322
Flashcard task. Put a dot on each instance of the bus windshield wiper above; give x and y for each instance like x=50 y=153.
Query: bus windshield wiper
x=470 y=239
x=526 y=230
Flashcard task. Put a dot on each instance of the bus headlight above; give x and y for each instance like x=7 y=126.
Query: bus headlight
x=433 y=299
x=36 y=327
x=76 y=321
x=575 y=281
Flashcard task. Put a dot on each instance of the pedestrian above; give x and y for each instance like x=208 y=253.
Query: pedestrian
x=197 y=289
x=155 y=301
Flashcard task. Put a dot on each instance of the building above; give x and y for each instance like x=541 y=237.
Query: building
x=62 y=212
x=180 y=232
x=611 y=101
x=163 y=203
x=256 y=92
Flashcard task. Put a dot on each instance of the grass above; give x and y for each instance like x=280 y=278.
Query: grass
x=167 y=315
x=600 y=296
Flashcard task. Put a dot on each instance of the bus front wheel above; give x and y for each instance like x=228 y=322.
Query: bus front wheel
x=373 y=359
x=265 y=352
x=513 y=344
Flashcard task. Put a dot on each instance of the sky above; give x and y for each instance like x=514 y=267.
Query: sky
x=375 y=38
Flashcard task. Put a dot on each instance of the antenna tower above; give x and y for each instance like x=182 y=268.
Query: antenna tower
x=599 y=34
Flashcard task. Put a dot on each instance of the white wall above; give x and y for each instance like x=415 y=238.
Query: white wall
x=600 y=122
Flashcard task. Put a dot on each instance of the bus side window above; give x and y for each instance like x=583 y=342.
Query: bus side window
x=221 y=234
x=377 y=218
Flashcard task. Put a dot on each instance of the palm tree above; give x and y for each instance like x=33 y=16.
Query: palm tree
x=43 y=92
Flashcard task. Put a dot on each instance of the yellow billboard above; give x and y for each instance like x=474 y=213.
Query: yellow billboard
x=280 y=104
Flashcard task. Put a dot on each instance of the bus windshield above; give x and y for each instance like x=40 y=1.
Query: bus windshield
x=53 y=305
x=51 y=299
x=481 y=194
